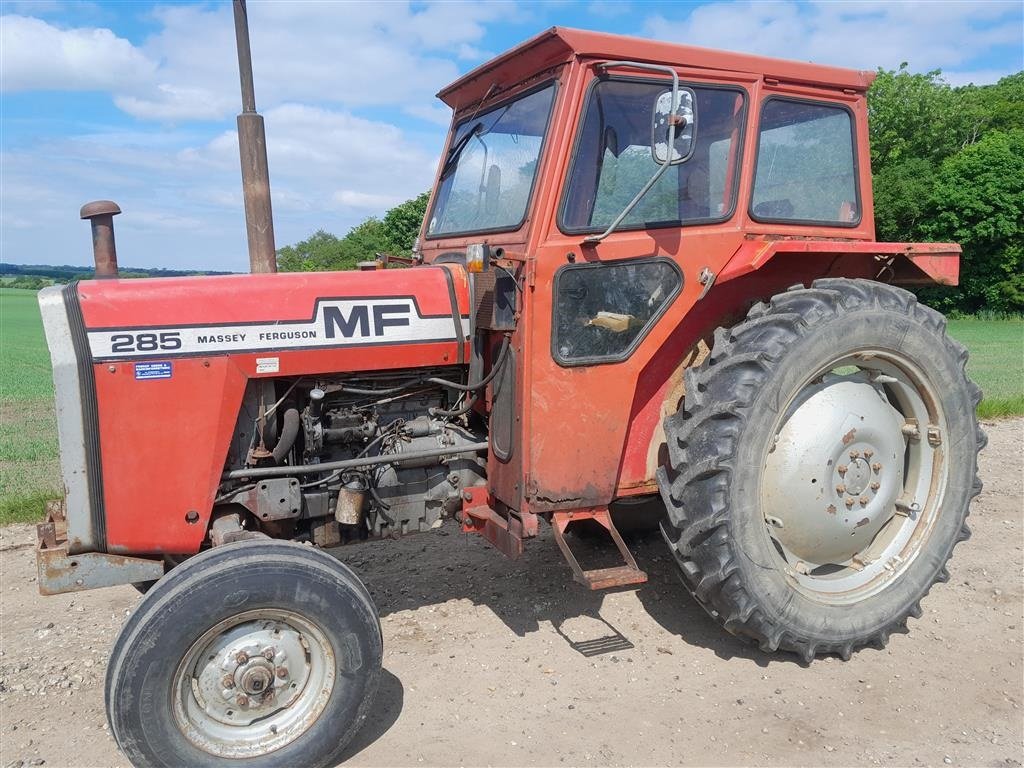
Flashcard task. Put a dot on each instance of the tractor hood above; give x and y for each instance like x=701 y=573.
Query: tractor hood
x=289 y=312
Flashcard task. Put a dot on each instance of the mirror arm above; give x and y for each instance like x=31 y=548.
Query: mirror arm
x=671 y=143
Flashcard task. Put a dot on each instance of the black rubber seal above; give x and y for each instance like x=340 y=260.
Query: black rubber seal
x=90 y=416
x=456 y=315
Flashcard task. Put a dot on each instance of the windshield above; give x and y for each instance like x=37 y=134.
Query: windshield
x=488 y=175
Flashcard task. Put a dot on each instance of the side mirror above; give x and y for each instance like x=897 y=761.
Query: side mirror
x=685 y=120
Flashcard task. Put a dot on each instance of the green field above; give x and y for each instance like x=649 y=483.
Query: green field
x=996 y=363
x=29 y=471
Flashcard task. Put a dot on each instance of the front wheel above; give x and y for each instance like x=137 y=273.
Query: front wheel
x=265 y=652
x=822 y=466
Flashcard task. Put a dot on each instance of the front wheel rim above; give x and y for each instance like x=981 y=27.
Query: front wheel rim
x=253 y=683
x=854 y=476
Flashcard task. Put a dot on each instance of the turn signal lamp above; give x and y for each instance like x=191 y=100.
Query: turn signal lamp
x=478 y=257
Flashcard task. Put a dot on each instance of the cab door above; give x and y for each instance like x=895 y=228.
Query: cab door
x=602 y=313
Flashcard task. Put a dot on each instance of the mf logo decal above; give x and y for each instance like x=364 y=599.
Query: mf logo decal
x=358 y=320
x=335 y=323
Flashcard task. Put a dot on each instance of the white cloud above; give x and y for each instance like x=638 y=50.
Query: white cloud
x=355 y=54
x=35 y=55
x=351 y=198
x=438 y=114
x=328 y=169
x=927 y=35
x=316 y=65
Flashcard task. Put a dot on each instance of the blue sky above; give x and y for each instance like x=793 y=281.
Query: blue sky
x=136 y=101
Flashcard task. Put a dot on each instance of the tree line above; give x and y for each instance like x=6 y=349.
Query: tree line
x=948 y=166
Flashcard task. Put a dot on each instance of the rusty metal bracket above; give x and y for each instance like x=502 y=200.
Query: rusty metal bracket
x=601 y=578
x=271 y=499
x=478 y=516
x=60 y=572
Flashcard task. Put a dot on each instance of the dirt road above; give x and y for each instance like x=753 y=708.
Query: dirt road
x=485 y=663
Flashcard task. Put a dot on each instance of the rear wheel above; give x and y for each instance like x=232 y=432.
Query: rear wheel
x=262 y=651
x=822 y=466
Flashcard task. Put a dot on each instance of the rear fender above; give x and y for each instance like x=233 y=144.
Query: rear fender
x=758 y=270
x=899 y=263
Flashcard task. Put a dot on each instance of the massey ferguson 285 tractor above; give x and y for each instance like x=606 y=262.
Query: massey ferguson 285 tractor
x=645 y=269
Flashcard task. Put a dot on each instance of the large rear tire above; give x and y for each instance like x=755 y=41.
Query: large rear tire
x=822 y=466
x=262 y=651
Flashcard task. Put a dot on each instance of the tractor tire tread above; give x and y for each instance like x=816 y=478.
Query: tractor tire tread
x=702 y=440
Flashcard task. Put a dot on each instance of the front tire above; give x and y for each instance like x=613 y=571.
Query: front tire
x=822 y=466
x=263 y=651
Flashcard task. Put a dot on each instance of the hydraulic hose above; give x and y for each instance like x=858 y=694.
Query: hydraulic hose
x=289 y=431
x=495 y=370
x=462 y=411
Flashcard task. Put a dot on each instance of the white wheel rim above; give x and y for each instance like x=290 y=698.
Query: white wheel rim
x=253 y=683
x=853 y=481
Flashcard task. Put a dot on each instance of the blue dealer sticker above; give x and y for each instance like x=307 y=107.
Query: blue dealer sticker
x=149 y=371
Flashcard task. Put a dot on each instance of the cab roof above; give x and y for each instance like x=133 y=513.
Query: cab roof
x=561 y=44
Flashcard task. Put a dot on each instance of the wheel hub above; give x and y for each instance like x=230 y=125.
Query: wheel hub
x=835 y=472
x=857 y=476
x=253 y=674
x=253 y=683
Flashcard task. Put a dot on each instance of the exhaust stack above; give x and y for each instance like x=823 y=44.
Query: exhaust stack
x=100 y=214
x=252 y=147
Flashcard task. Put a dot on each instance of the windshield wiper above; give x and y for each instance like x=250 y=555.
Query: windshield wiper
x=453 y=154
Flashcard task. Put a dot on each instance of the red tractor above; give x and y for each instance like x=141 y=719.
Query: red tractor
x=646 y=269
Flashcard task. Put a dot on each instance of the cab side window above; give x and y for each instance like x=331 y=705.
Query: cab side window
x=806 y=169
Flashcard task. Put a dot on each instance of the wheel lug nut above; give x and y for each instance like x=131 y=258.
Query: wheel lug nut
x=241 y=657
x=854 y=454
x=840 y=489
x=849 y=502
x=863 y=501
x=876 y=467
x=282 y=672
x=228 y=681
x=875 y=486
x=868 y=453
x=841 y=469
x=269 y=653
x=242 y=700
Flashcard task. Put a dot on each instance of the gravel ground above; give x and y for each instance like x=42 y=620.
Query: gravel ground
x=484 y=662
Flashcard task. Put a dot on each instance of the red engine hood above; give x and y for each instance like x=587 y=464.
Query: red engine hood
x=287 y=312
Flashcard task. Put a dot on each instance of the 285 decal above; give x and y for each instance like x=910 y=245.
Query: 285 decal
x=166 y=341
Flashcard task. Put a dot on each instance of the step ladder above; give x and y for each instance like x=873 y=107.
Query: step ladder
x=600 y=578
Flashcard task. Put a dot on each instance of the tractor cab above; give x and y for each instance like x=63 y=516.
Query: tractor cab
x=619 y=182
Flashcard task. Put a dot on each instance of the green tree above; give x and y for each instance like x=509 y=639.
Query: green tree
x=323 y=251
x=978 y=201
x=910 y=117
x=947 y=167
x=902 y=191
x=401 y=225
